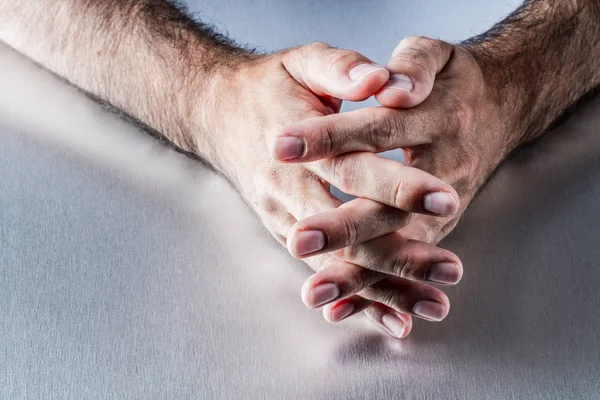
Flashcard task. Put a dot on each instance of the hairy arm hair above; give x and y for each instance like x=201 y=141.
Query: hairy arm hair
x=542 y=57
x=148 y=58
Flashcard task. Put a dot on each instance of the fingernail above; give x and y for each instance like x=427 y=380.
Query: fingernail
x=394 y=324
x=447 y=273
x=429 y=310
x=359 y=72
x=340 y=312
x=440 y=203
x=401 y=82
x=323 y=294
x=288 y=148
x=309 y=241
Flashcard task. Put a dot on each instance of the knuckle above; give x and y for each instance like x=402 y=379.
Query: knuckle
x=402 y=193
x=341 y=59
x=325 y=141
x=272 y=177
x=380 y=131
x=410 y=61
x=402 y=265
x=470 y=165
x=343 y=169
x=464 y=118
x=415 y=44
x=393 y=299
x=410 y=41
x=397 y=126
x=317 y=46
x=269 y=205
x=453 y=122
x=425 y=43
x=374 y=313
x=435 y=46
x=358 y=280
x=350 y=232
x=416 y=52
x=466 y=168
x=352 y=254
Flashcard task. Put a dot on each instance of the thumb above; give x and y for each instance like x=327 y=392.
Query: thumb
x=343 y=74
x=414 y=65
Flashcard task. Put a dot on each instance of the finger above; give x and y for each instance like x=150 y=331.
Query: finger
x=395 y=323
x=389 y=182
x=393 y=254
x=392 y=322
x=374 y=129
x=389 y=320
x=414 y=65
x=351 y=223
x=336 y=279
x=369 y=262
x=409 y=297
x=347 y=271
x=327 y=71
x=314 y=292
x=342 y=309
x=349 y=277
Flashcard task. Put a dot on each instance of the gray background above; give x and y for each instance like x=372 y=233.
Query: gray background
x=128 y=271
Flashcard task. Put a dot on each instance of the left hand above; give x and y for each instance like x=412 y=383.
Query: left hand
x=441 y=111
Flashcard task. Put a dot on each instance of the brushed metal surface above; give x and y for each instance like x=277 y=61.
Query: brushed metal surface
x=130 y=272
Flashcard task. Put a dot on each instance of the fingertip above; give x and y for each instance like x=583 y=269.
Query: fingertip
x=305 y=292
x=304 y=243
x=435 y=308
x=403 y=91
x=301 y=141
x=289 y=244
x=441 y=203
x=317 y=294
x=365 y=81
x=395 y=324
x=408 y=325
x=461 y=269
x=444 y=273
x=454 y=194
x=287 y=148
x=396 y=98
x=339 y=311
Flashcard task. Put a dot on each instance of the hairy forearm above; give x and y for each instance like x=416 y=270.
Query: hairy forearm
x=145 y=57
x=542 y=58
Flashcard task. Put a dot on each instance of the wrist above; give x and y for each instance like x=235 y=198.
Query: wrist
x=217 y=115
x=206 y=99
x=505 y=95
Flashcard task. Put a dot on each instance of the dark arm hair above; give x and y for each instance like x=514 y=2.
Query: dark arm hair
x=544 y=56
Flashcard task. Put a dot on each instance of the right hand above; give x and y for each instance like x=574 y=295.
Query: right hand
x=249 y=103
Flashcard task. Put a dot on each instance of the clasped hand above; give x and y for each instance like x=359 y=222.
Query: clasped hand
x=287 y=143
